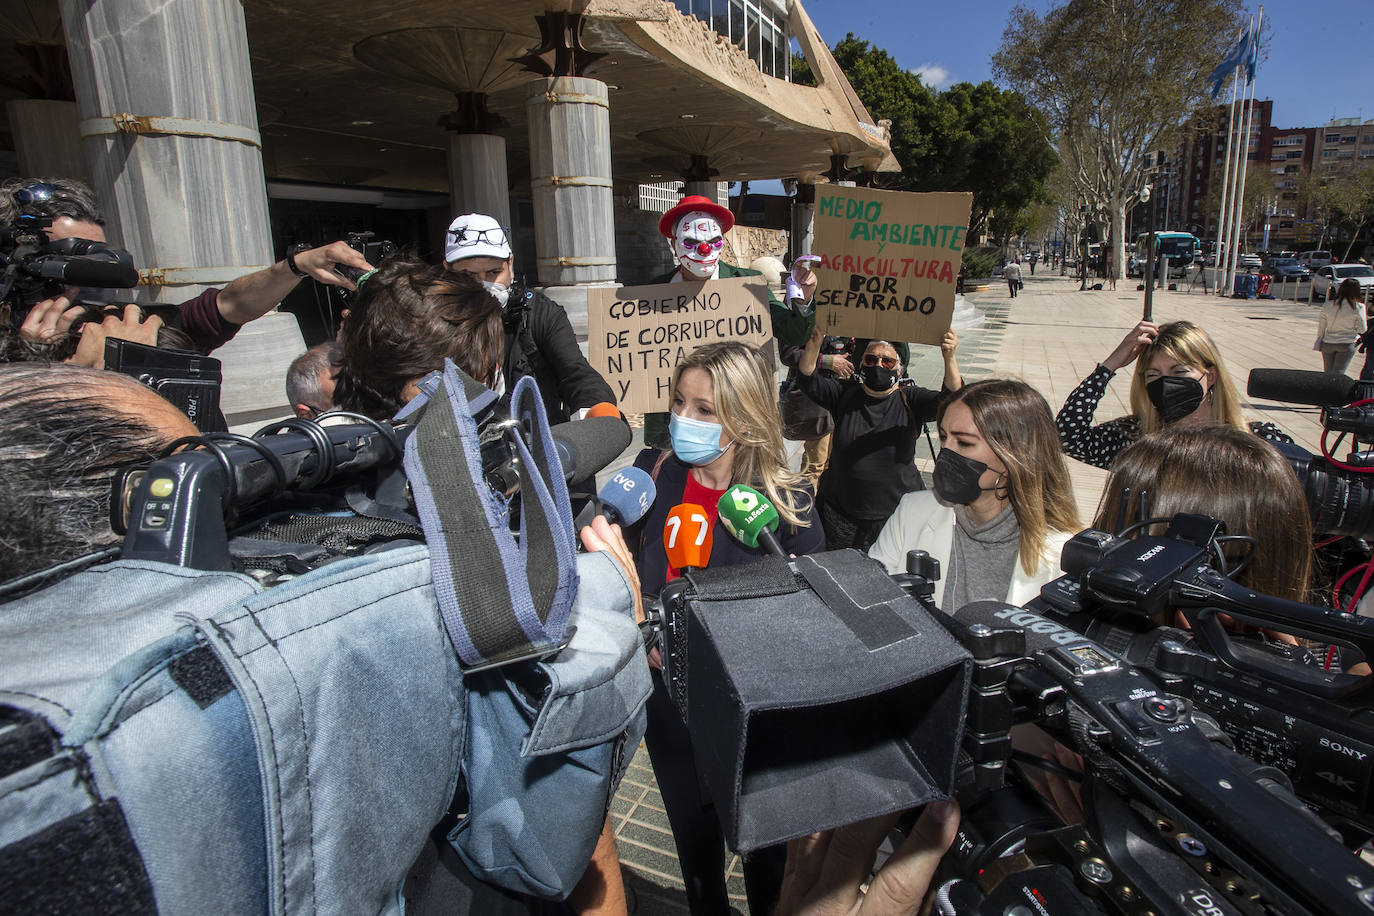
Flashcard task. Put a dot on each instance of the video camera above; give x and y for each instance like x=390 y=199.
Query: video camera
x=1340 y=496
x=1189 y=739
x=33 y=269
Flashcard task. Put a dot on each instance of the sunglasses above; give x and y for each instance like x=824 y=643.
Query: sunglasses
x=872 y=359
x=465 y=237
x=35 y=193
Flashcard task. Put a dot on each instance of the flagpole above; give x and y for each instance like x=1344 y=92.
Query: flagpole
x=1242 y=160
x=1218 y=255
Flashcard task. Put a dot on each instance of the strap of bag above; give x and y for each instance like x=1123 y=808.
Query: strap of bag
x=497 y=606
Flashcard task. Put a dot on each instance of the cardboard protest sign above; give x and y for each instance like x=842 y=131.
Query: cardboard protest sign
x=637 y=334
x=888 y=261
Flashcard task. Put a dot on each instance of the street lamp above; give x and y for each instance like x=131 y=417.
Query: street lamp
x=1149 y=259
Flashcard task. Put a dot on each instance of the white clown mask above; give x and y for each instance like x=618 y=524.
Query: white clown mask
x=697 y=241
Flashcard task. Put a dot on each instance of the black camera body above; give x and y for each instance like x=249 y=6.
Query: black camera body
x=187 y=379
x=33 y=269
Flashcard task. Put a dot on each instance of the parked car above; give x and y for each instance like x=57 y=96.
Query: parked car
x=1314 y=259
x=1249 y=262
x=1326 y=279
x=1286 y=268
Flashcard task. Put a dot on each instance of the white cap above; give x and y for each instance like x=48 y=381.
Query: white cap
x=476 y=235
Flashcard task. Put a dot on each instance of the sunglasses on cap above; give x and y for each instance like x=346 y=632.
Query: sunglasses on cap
x=873 y=359
x=35 y=193
x=464 y=237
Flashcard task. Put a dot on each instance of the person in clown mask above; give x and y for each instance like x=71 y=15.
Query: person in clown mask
x=873 y=454
x=725 y=429
x=1179 y=378
x=1002 y=505
x=539 y=340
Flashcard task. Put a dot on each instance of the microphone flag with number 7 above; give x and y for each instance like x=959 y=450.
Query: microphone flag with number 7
x=750 y=517
x=687 y=537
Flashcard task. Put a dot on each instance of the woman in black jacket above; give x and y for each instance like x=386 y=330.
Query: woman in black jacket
x=725 y=429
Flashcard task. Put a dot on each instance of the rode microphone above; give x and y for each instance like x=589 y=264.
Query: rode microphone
x=750 y=518
x=1301 y=386
x=687 y=537
x=624 y=499
x=586 y=446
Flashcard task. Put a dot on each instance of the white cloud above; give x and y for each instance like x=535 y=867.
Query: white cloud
x=933 y=75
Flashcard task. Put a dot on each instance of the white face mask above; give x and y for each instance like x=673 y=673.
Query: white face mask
x=499 y=291
x=697 y=242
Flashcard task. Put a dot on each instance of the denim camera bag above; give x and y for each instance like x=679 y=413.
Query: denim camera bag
x=170 y=737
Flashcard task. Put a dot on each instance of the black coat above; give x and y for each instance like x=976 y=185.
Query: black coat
x=540 y=342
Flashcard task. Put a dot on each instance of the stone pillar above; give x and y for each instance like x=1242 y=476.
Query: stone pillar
x=708 y=189
x=477 y=176
x=47 y=138
x=570 y=177
x=175 y=157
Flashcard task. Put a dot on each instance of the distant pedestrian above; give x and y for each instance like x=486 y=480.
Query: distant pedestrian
x=1033 y=258
x=1012 y=274
x=1340 y=326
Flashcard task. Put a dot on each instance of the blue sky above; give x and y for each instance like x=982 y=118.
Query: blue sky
x=1317 y=67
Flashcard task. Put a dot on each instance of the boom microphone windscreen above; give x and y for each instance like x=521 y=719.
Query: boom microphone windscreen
x=586 y=446
x=79 y=271
x=1302 y=386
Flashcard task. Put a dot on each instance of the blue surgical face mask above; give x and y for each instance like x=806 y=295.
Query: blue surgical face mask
x=696 y=442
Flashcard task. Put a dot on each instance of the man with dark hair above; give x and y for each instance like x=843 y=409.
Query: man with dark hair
x=212 y=318
x=409 y=318
x=310 y=379
x=64 y=433
x=539 y=340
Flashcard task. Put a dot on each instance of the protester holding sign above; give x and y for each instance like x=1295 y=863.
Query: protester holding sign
x=725 y=430
x=872 y=459
x=695 y=229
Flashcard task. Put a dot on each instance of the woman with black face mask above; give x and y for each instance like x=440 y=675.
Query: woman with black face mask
x=872 y=459
x=1002 y=505
x=1179 y=378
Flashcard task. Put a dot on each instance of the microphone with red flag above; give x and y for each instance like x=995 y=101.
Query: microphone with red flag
x=687 y=537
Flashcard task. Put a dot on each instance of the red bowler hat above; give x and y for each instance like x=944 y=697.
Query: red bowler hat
x=699 y=203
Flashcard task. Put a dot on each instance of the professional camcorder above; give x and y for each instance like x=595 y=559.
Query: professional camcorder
x=1201 y=751
x=33 y=269
x=1339 y=494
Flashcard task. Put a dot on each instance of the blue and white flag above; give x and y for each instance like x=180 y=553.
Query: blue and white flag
x=1234 y=58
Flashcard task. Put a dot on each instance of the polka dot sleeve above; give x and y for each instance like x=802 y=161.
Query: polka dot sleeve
x=1095 y=445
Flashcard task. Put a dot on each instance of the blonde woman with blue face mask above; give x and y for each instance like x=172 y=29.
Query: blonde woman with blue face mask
x=725 y=429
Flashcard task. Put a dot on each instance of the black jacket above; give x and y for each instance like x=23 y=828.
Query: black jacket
x=645 y=538
x=540 y=342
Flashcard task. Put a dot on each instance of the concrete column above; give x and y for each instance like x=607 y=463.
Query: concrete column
x=477 y=176
x=47 y=139
x=175 y=156
x=570 y=177
x=708 y=189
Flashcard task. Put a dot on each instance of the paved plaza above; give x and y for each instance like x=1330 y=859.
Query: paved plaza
x=1051 y=335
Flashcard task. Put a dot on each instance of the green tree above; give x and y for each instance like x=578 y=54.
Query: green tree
x=1115 y=79
x=968 y=138
x=1343 y=195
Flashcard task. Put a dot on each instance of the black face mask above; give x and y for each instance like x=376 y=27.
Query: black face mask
x=956 y=477
x=1175 y=396
x=877 y=378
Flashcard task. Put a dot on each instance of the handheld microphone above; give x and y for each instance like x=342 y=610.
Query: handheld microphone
x=750 y=518
x=1301 y=386
x=624 y=499
x=586 y=446
x=687 y=537
x=605 y=409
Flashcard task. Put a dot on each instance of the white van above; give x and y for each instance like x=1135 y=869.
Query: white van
x=1314 y=259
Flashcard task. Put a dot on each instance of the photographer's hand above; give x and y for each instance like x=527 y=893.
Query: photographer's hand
x=90 y=351
x=602 y=535
x=825 y=871
x=50 y=319
x=319 y=263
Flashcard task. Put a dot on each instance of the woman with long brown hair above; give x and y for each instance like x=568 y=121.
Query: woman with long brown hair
x=1179 y=378
x=1002 y=505
x=1340 y=325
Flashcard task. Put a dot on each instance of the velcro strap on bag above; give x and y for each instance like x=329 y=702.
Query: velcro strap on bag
x=497 y=606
